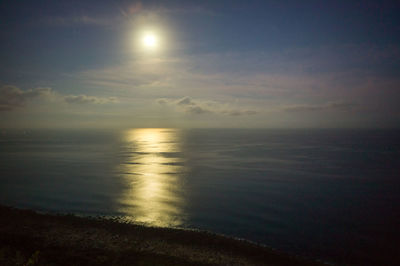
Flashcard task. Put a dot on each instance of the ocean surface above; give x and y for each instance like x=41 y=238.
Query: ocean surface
x=328 y=194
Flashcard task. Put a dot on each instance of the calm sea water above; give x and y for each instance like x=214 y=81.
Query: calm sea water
x=327 y=194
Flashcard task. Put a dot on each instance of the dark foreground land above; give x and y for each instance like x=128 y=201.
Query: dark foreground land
x=29 y=238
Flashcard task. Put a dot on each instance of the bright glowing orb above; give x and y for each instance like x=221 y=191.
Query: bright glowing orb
x=150 y=40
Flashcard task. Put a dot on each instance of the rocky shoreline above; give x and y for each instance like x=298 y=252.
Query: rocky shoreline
x=31 y=238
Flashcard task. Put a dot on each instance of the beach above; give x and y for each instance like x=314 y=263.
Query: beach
x=31 y=238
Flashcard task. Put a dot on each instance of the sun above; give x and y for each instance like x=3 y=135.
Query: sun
x=150 y=40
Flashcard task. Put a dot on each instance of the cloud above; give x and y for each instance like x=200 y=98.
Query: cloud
x=85 y=99
x=162 y=101
x=197 y=110
x=126 y=12
x=187 y=105
x=12 y=97
x=78 y=20
x=319 y=107
x=240 y=112
x=132 y=9
x=197 y=107
x=185 y=101
x=138 y=7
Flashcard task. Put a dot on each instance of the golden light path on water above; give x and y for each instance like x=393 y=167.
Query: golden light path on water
x=152 y=170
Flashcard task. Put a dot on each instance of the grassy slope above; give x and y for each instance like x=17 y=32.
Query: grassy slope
x=29 y=238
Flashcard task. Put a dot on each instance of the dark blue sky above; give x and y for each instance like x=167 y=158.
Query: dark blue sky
x=249 y=62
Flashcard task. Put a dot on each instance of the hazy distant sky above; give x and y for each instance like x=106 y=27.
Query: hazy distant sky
x=218 y=64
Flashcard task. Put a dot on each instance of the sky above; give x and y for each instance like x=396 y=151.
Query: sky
x=252 y=64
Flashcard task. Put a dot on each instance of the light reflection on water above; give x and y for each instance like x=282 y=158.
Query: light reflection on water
x=152 y=171
x=299 y=191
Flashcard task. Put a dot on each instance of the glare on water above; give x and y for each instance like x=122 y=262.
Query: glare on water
x=152 y=170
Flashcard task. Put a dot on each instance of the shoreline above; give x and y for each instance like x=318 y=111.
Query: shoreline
x=27 y=236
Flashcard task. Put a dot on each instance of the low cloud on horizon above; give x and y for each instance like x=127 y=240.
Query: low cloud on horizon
x=319 y=107
x=12 y=97
x=198 y=107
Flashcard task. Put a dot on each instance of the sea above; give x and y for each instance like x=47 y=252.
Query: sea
x=328 y=194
